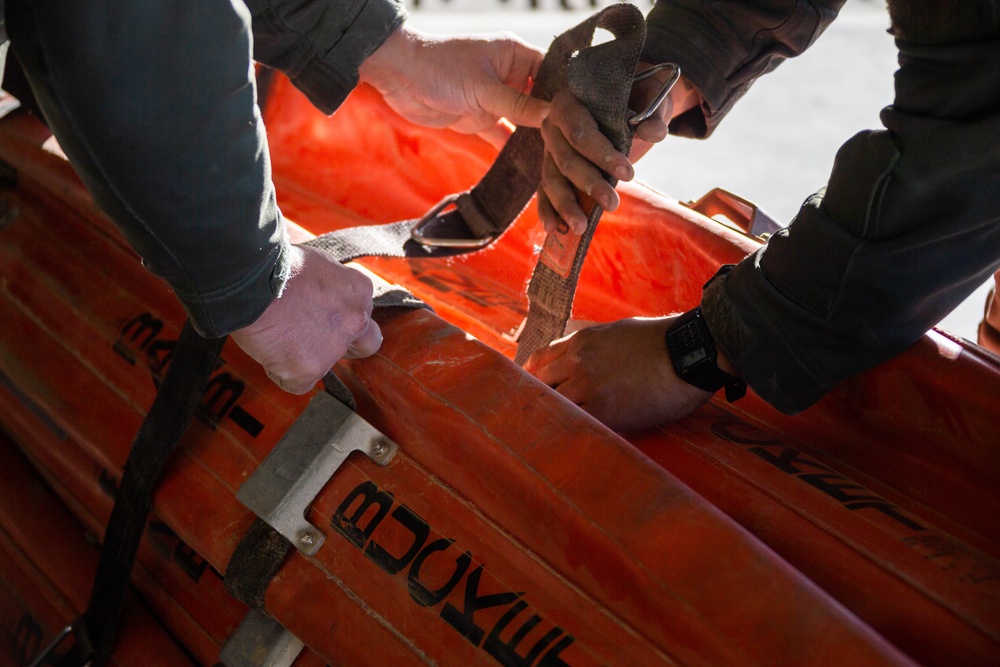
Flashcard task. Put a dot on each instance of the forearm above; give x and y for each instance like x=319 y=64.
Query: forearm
x=722 y=47
x=153 y=102
x=321 y=45
x=908 y=227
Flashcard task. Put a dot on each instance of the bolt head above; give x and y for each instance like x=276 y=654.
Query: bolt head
x=380 y=447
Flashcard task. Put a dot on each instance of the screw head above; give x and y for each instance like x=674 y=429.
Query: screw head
x=307 y=538
x=380 y=447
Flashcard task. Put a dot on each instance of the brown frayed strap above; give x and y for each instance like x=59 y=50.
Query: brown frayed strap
x=257 y=558
x=601 y=77
x=482 y=214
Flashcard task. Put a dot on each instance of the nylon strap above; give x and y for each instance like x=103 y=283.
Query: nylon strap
x=193 y=361
x=257 y=558
x=596 y=77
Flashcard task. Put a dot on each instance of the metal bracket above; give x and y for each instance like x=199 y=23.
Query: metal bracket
x=260 y=641
x=303 y=461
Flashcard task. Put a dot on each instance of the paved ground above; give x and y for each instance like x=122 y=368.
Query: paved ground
x=777 y=146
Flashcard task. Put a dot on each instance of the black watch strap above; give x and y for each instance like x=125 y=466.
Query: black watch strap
x=693 y=354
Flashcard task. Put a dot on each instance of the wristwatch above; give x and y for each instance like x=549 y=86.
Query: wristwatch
x=692 y=351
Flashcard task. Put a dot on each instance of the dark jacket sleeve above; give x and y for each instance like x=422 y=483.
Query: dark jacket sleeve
x=319 y=45
x=724 y=45
x=154 y=103
x=908 y=226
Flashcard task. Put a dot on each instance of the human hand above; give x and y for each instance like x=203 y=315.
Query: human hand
x=578 y=155
x=467 y=83
x=619 y=372
x=323 y=315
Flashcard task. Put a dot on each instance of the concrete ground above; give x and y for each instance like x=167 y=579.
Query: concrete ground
x=777 y=146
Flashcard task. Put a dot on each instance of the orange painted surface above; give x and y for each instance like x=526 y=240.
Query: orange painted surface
x=884 y=494
x=513 y=523
x=46 y=569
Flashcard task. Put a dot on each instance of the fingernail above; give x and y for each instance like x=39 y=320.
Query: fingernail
x=623 y=172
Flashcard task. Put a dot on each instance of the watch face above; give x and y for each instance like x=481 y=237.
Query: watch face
x=689 y=359
x=692 y=351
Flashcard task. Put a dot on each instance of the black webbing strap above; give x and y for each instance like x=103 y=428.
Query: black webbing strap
x=482 y=214
x=263 y=550
x=193 y=361
x=602 y=81
x=257 y=558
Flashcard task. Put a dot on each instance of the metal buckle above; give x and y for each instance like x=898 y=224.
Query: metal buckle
x=417 y=235
x=76 y=628
x=675 y=74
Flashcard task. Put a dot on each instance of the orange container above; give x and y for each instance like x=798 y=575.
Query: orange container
x=46 y=568
x=885 y=493
x=509 y=528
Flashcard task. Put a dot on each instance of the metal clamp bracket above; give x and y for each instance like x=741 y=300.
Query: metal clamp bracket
x=303 y=461
x=260 y=641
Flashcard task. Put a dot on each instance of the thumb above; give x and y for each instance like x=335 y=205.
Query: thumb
x=367 y=343
x=520 y=109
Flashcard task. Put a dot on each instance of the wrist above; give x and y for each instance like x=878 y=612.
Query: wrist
x=696 y=360
x=384 y=69
x=683 y=98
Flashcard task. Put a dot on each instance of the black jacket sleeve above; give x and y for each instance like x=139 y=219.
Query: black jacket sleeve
x=724 y=45
x=321 y=45
x=909 y=223
x=907 y=227
x=154 y=103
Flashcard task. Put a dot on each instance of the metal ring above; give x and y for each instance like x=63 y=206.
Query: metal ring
x=417 y=235
x=675 y=74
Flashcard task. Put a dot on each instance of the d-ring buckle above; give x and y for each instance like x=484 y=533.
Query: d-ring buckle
x=675 y=74
x=417 y=234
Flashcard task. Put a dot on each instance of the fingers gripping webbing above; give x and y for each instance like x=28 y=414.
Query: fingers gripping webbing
x=600 y=75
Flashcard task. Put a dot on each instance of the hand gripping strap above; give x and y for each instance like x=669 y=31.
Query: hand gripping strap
x=484 y=213
x=601 y=77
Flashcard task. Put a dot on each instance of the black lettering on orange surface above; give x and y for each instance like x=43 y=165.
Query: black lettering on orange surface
x=246 y=421
x=505 y=651
x=189 y=561
x=418 y=591
x=786 y=459
x=463 y=620
x=415 y=525
x=838 y=487
x=887 y=509
x=220 y=398
x=136 y=335
x=552 y=656
x=370 y=495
